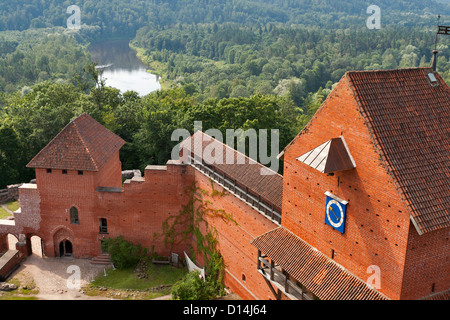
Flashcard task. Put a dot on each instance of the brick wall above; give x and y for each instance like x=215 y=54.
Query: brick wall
x=136 y=212
x=8 y=262
x=140 y=210
x=427 y=265
x=3 y=244
x=240 y=256
x=377 y=223
x=110 y=174
x=58 y=194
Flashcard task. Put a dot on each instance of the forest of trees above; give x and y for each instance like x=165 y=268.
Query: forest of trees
x=221 y=61
x=261 y=64
x=118 y=17
x=33 y=56
x=28 y=122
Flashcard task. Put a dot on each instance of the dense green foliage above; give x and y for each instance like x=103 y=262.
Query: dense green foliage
x=118 y=17
x=229 y=60
x=260 y=64
x=123 y=254
x=28 y=122
x=35 y=56
x=194 y=287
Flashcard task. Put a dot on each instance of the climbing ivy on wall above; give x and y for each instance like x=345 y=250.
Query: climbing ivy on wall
x=191 y=222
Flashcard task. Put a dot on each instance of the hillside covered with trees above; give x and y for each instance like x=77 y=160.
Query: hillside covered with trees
x=261 y=64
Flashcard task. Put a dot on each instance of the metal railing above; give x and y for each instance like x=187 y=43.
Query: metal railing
x=280 y=279
x=266 y=209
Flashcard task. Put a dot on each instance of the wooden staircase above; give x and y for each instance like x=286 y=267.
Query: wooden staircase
x=103 y=259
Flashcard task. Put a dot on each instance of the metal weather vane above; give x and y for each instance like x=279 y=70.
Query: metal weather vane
x=441 y=30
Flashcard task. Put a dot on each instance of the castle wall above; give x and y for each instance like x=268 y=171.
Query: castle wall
x=234 y=235
x=139 y=211
x=110 y=174
x=377 y=223
x=58 y=194
x=427 y=265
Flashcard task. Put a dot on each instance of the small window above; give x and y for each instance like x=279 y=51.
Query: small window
x=49 y=170
x=103 y=226
x=74 y=216
x=433 y=81
x=432 y=77
x=80 y=172
x=64 y=171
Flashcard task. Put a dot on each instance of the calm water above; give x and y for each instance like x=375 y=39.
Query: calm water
x=123 y=70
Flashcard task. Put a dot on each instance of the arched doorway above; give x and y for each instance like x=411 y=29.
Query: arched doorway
x=62 y=242
x=37 y=246
x=65 y=248
x=12 y=241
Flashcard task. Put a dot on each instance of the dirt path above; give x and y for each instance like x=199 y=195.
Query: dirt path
x=51 y=277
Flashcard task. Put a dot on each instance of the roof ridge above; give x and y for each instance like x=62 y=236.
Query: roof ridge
x=388 y=70
x=82 y=139
x=234 y=150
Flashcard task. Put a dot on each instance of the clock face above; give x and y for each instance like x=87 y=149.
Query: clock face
x=335 y=211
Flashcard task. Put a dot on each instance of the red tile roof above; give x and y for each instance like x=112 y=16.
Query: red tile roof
x=320 y=274
x=244 y=170
x=444 y=295
x=84 y=144
x=408 y=117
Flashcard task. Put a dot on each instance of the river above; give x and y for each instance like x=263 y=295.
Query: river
x=122 y=69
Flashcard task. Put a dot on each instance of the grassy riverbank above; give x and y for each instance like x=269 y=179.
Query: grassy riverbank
x=155 y=67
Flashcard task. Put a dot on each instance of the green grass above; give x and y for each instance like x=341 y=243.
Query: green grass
x=123 y=279
x=127 y=279
x=13 y=205
x=22 y=280
x=3 y=213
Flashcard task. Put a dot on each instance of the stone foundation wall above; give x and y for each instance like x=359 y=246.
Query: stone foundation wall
x=11 y=193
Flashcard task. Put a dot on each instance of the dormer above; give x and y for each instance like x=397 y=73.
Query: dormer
x=331 y=156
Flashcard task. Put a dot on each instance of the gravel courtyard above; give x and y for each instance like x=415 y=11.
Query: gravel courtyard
x=50 y=276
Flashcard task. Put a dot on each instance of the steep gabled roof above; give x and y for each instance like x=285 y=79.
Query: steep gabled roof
x=84 y=144
x=407 y=113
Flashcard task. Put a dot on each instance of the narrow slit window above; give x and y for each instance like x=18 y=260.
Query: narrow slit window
x=74 y=216
x=103 y=226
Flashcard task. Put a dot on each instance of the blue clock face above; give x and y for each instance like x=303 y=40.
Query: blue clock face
x=335 y=213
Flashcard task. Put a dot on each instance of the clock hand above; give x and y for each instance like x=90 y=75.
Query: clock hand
x=334 y=213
